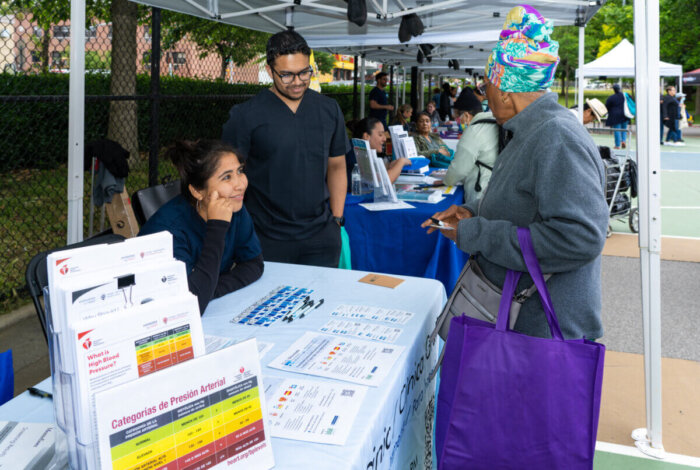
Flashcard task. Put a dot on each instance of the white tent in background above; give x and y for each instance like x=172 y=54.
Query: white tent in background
x=619 y=62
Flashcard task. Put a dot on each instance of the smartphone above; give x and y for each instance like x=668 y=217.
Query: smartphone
x=440 y=224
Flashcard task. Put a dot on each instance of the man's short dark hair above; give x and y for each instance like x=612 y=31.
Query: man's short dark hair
x=380 y=75
x=284 y=43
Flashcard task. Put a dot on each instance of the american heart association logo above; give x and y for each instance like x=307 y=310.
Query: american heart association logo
x=64 y=269
x=87 y=343
x=241 y=370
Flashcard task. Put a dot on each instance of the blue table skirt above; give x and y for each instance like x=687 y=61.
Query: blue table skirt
x=393 y=241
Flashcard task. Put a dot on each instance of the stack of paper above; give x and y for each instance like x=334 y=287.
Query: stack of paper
x=418 y=194
x=116 y=313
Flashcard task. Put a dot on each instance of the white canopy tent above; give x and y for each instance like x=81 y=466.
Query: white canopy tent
x=619 y=62
x=328 y=18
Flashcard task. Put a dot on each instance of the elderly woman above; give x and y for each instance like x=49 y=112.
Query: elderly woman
x=427 y=143
x=548 y=178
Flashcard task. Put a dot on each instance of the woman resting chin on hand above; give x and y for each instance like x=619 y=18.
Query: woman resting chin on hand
x=212 y=231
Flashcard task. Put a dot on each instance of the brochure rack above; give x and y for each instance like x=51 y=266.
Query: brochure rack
x=110 y=322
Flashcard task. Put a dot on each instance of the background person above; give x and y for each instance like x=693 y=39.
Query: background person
x=296 y=143
x=428 y=144
x=616 y=116
x=549 y=178
x=371 y=130
x=477 y=149
x=670 y=115
x=593 y=110
x=378 y=100
x=431 y=109
x=445 y=103
x=403 y=118
x=212 y=231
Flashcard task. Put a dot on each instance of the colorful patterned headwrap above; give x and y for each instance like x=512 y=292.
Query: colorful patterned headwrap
x=525 y=58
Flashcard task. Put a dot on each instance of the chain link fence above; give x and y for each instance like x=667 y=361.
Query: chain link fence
x=191 y=99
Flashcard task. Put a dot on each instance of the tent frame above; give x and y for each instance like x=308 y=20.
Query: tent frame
x=646 y=28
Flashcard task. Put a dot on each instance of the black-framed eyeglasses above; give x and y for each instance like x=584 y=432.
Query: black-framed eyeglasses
x=288 y=77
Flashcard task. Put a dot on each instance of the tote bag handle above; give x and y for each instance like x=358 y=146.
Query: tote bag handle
x=512 y=277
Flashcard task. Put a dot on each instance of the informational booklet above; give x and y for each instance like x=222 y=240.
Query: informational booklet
x=205 y=413
x=386 y=206
x=107 y=293
x=339 y=357
x=398 y=133
x=144 y=340
x=364 y=158
x=362 y=330
x=312 y=411
x=409 y=192
x=367 y=312
x=26 y=446
x=214 y=343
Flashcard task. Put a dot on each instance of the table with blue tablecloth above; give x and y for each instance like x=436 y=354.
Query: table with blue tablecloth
x=393 y=241
x=393 y=429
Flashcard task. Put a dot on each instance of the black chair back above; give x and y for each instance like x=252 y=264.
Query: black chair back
x=37 y=273
x=147 y=201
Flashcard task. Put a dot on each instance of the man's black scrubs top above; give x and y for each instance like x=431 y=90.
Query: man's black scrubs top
x=287 y=160
x=380 y=97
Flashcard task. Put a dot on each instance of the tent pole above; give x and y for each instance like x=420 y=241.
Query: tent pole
x=76 y=122
x=403 y=96
x=579 y=83
x=391 y=83
x=355 y=103
x=154 y=141
x=646 y=34
x=362 y=87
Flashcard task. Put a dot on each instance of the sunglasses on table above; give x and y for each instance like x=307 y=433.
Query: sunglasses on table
x=288 y=77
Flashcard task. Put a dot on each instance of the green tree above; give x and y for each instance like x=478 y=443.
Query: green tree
x=230 y=43
x=324 y=61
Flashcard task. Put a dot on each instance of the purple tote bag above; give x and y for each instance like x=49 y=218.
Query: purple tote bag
x=512 y=401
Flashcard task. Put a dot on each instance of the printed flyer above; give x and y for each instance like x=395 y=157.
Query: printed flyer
x=313 y=411
x=339 y=357
x=205 y=413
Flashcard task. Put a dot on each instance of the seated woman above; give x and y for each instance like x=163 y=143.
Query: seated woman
x=430 y=145
x=477 y=148
x=403 y=118
x=432 y=111
x=212 y=231
x=371 y=130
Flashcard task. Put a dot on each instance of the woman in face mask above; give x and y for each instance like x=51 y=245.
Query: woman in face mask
x=477 y=148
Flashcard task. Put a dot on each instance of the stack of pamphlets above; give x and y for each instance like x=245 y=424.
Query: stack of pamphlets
x=410 y=192
x=116 y=313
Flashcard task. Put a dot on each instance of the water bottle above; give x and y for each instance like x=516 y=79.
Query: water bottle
x=356 y=179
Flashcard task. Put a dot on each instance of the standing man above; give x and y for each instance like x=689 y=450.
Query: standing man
x=378 y=100
x=669 y=116
x=295 y=142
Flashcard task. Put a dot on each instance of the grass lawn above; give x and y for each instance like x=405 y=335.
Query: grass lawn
x=33 y=218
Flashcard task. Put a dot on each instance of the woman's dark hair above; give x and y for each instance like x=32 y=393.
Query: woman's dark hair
x=421 y=114
x=196 y=162
x=284 y=43
x=446 y=87
x=363 y=126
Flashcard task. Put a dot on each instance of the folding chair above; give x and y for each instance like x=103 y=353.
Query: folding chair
x=147 y=201
x=37 y=276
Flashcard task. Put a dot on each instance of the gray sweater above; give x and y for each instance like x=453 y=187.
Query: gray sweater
x=549 y=178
